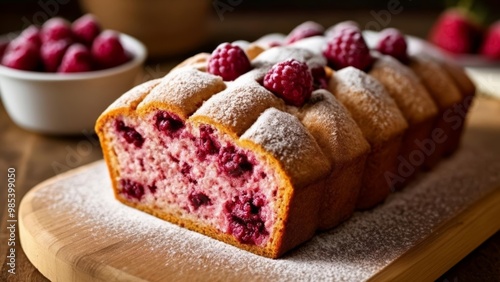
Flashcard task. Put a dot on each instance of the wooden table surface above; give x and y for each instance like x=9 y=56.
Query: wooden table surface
x=37 y=157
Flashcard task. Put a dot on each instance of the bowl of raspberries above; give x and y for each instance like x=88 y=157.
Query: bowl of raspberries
x=59 y=77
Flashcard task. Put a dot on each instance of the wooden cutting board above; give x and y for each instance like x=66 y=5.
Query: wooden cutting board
x=72 y=229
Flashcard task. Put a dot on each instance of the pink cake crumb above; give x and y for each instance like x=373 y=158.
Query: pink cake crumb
x=196 y=173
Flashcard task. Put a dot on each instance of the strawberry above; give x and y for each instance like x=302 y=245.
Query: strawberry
x=491 y=44
x=455 y=31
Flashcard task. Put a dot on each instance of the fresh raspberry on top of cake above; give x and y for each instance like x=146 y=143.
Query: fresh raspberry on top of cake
x=393 y=43
x=291 y=80
x=304 y=30
x=347 y=47
x=228 y=61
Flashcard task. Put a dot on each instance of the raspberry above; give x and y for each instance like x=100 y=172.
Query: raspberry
x=291 y=80
x=132 y=189
x=168 y=122
x=52 y=53
x=56 y=29
x=228 y=61
x=108 y=51
x=86 y=29
x=456 y=32
x=347 y=47
x=206 y=143
x=198 y=199
x=76 y=59
x=130 y=134
x=393 y=43
x=233 y=163
x=304 y=30
x=491 y=44
x=22 y=55
x=32 y=34
x=245 y=219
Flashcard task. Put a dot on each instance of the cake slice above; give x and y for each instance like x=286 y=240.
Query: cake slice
x=258 y=191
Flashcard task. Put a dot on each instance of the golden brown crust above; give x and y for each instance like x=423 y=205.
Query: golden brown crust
x=382 y=124
x=343 y=144
x=370 y=105
x=405 y=88
x=183 y=91
x=416 y=105
x=468 y=91
x=437 y=81
x=282 y=135
x=446 y=95
x=238 y=106
x=198 y=61
x=459 y=76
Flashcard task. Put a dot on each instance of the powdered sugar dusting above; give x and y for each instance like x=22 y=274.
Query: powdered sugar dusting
x=288 y=140
x=354 y=251
x=185 y=88
x=279 y=54
x=405 y=88
x=369 y=103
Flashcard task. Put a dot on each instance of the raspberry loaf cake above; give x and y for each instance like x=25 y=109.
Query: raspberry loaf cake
x=262 y=144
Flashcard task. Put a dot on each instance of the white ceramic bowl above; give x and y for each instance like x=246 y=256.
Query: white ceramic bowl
x=67 y=104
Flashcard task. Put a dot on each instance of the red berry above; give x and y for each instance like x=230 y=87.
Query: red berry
x=85 y=29
x=456 y=33
x=233 y=162
x=31 y=34
x=108 y=51
x=56 y=29
x=228 y=61
x=304 y=30
x=132 y=189
x=347 y=47
x=491 y=43
x=199 y=199
x=52 y=53
x=393 y=43
x=22 y=55
x=76 y=59
x=291 y=80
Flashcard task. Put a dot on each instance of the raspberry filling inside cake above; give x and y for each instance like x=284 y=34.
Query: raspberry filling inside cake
x=196 y=173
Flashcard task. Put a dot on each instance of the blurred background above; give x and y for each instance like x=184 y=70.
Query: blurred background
x=179 y=28
x=175 y=29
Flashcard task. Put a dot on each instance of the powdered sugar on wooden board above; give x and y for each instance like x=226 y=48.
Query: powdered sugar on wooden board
x=355 y=251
